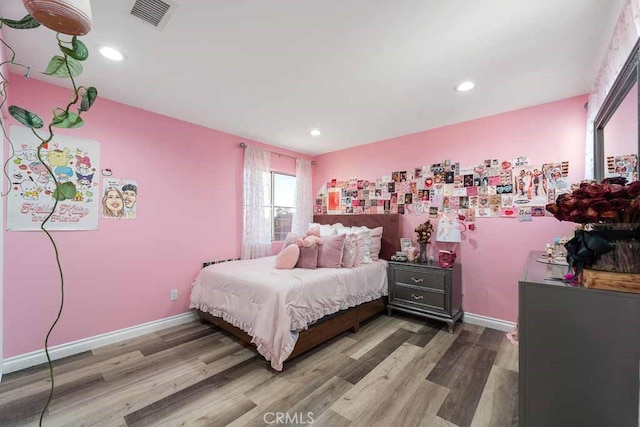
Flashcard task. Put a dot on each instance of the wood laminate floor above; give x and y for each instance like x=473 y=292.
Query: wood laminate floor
x=397 y=371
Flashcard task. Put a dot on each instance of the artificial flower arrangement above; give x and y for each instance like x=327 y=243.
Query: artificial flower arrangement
x=609 y=202
x=608 y=237
x=424 y=232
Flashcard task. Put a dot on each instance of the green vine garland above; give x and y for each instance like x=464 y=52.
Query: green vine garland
x=67 y=65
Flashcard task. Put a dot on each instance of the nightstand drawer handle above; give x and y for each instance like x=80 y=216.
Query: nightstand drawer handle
x=416 y=296
x=417 y=280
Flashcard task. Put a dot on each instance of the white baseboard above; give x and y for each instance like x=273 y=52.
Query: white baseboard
x=488 y=322
x=27 y=360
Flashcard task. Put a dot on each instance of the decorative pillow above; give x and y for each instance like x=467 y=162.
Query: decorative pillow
x=349 y=251
x=366 y=235
x=376 y=243
x=325 y=229
x=288 y=257
x=308 y=257
x=359 y=259
x=330 y=252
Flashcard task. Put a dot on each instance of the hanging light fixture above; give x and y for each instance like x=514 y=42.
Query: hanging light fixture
x=72 y=17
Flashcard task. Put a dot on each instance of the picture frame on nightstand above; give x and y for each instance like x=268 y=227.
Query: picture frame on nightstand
x=405 y=244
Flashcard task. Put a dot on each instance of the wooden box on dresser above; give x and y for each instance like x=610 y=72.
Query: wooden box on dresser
x=579 y=353
x=426 y=290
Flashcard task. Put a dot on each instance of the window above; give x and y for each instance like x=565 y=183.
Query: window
x=283 y=194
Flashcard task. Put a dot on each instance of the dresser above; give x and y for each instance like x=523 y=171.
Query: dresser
x=579 y=353
x=426 y=290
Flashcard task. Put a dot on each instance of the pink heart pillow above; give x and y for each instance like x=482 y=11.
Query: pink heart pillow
x=288 y=258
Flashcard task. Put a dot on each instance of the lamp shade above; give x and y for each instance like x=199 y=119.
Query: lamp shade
x=448 y=230
x=72 y=17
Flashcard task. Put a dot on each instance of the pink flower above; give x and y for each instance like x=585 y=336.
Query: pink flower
x=571 y=279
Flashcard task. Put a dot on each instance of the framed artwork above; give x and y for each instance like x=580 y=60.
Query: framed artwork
x=71 y=159
x=405 y=244
x=334 y=195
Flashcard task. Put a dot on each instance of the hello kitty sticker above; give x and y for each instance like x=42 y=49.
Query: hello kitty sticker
x=31 y=199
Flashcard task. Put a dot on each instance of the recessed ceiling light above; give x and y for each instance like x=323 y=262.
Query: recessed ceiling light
x=111 y=53
x=465 y=86
x=315 y=132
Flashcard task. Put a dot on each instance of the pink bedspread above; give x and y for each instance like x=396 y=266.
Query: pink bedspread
x=273 y=305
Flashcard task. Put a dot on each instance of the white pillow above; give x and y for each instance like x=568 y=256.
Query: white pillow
x=353 y=254
x=325 y=229
x=359 y=241
x=376 y=242
x=366 y=234
x=349 y=252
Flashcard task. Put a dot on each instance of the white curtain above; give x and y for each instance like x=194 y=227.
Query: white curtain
x=624 y=37
x=256 y=233
x=303 y=214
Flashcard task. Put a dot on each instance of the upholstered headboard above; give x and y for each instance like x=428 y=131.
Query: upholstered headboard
x=390 y=228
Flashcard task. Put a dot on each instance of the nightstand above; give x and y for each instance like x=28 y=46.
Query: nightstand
x=426 y=290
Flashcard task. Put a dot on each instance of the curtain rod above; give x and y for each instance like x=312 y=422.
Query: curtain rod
x=243 y=146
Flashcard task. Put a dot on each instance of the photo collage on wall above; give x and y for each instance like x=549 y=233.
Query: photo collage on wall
x=493 y=189
x=625 y=166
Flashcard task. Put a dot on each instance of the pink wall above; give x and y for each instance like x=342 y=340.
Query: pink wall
x=189 y=210
x=4 y=69
x=493 y=255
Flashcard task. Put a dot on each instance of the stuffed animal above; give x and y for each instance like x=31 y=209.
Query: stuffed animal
x=311 y=238
x=288 y=258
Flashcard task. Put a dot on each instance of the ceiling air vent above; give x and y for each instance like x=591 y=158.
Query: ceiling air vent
x=155 y=12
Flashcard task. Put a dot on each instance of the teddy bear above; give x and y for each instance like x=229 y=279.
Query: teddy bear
x=312 y=237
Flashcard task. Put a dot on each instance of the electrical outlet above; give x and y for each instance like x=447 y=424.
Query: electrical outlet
x=173 y=295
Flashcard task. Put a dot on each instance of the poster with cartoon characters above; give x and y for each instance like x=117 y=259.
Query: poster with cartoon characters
x=31 y=199
x=119 y=198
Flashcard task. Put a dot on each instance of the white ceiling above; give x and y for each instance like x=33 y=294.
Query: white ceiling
x=359 y=70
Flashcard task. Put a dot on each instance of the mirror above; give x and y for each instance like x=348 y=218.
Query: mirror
x=617 y=136
x=621 y=139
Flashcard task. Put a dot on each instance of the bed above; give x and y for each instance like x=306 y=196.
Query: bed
x=284 y=313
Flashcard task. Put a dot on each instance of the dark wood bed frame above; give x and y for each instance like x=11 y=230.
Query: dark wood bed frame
x=334 y=325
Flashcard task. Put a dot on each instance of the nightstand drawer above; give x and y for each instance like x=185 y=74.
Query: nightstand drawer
x=418 y=297
x=429 y=278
